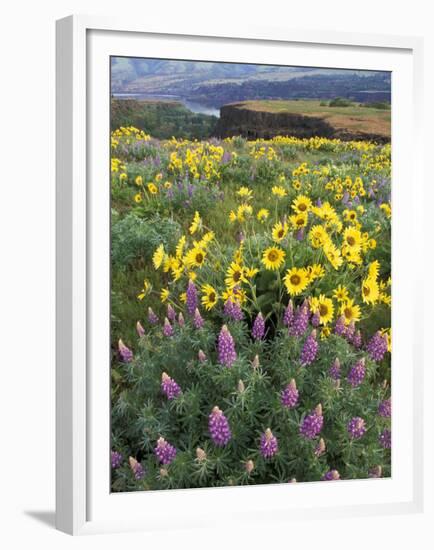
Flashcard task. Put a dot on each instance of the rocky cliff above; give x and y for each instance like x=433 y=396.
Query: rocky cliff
x=237 y=120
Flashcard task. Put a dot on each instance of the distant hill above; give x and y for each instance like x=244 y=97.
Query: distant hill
x=215 y=84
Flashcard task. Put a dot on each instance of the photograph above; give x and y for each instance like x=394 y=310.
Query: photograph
x=250 y=285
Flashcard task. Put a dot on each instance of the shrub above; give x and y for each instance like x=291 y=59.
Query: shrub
x=340 y=102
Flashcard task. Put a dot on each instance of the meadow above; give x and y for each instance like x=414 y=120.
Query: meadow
x=250 y=303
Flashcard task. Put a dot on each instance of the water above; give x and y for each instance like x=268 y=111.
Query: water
x=192 y=106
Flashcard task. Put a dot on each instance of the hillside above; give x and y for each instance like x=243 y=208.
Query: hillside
x=304 y=118
x=162 y=119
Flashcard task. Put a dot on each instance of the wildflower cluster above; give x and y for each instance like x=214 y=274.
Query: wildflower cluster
x=251 y=330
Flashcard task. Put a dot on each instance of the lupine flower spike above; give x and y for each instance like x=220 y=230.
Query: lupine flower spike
x=320 y=449
x=164 y=451
x=116 y=459
x=167 y=328
x=198 y=319
x=125 y=353
x=233 y=310
x=192 y=301
x=152 y=317
x=139 y=329
x=219 y=428
x=377 y=346
x=136 y=468
x=335 y=370
x=385 y=408
x=385 y=439
x=300 y=321
x=226 y=347
x=171 y=313
x=357 y=373
x=288 y=316
x=289 y=396
x=309 y=350
x=331 y=475
x=258 y=329
x=312 y=423
x=169 y=387
x=356 y=427
x=200 y=455
x=269 y=445
x=250 y=466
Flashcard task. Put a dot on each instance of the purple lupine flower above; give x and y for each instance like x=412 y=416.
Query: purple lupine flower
x=331 y=475
x=164 y=451
x=269 y=445
x=335 y=370
x=152 y=317
x=356 y=340
x=181 y=321
x=300 y=321
x=192 y=302
x=320 y=448
x=219 y=428
x=167 y=328
x=319 y=202
x=376 y=472
x=139 y=329
x=385 y=408
x=136 y=468
x=289 y=396
x=377 y=346
x=169 y=386
x=198 y=321
x=356 y=427
x=232 y=309
x=312 y=423
x=171 y=313
x=385 y=439
x=201 y=356
x=125 y=353
x=226 y=347
x=288 y=316
x=350 y=331
x=316 y=319
x=300 y=234
x=340 y=327
x=357 y=373
x=258 y=329
x=116 y=459
x=309 y=350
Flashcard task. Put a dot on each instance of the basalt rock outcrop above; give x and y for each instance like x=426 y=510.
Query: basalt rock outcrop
x=237 y=120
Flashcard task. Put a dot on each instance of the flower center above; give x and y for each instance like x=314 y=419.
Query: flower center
x=211 y=297
x=199 y=258
x=351 y=240
x=295 y=279
x=272 y=256
x=236 y=276
x=348 y=312
x=323 y=310
x=302 y=207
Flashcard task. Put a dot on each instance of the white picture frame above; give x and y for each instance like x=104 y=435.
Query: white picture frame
x=83 y=502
